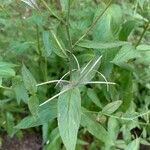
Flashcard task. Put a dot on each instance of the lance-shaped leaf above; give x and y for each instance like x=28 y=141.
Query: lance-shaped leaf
x=126 y=53
x=47 y=47
x=46 y=113
x=6 y=69
x=134 y=145
x=69 y=116
x=101 y=45
x=95 y=128
x=29 y=81
x=111 y=107
x=33 y=105
x=87 y=72
x=57 y=45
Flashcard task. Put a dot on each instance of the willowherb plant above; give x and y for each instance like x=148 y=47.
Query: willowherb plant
x=85 y=49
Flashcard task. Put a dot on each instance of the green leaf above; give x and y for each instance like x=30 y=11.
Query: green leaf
x=134 y=145
x=29 y=81
x=127 y=28
x=113 y=128
x=6 y=70
x=111 y=107
x=47 y=46
x=125 y=54
x=33 y=105
x=46 y=113
x=100 y=45
x=108 y=26
x=93 y=96
x=69 y=115
x=64 y=4
x=55 y=140
x=95 y=128
x=10 y=124
x=56 y=45
x=20 y=90
x=143 y=47
x=45 y=132
x=88 y=70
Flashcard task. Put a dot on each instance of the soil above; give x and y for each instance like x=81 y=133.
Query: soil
x=32 y=141
x=29 y=141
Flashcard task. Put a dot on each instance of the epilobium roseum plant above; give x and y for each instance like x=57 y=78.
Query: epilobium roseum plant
x=77 y=69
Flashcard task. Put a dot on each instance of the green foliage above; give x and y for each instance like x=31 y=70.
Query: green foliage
x=98 y=55
x=69 y=116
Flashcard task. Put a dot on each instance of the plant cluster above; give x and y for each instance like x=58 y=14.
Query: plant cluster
x=78 y=70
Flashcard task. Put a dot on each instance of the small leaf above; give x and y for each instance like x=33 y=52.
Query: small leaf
x=55 y=140
x=127 y=28
x=46 y=113
x=33 y=105
x=88 y=71
x=134 y=145
x=47 y=47
x=64 y=4
x=111 y=107
x=6 y=70
x=56 y=45
x=10 y=124
x=20 y=90
x=125 y=54
x=93 y=96
x=100 y=45
x=45 y=132
x=29 y=81
x=95 y=128
x=143 y=47
x=69 y=115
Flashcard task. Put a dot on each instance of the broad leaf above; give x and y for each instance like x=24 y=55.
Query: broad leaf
x=69 y=115
x=29 y=81
x=111 y=107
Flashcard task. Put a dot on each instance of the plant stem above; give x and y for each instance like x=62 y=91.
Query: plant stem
x=69 y=38
x=143 y=33
x=42 y=60
x=93 y=24
x=67 y=27
x=52 y=12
